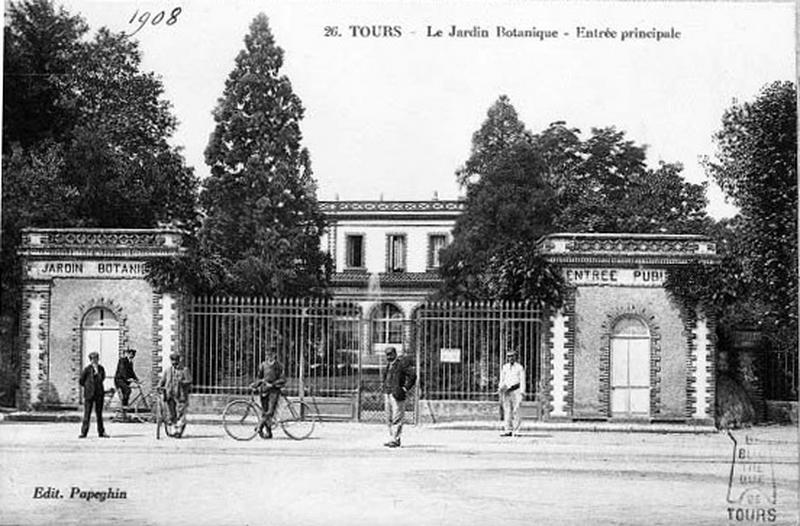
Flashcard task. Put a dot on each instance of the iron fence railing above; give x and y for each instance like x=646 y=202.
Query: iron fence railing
x=227 y=338
x=780 y=378
x=329 y=349
x=462 y=347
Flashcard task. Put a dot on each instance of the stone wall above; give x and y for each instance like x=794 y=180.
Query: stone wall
x=129 y=300
x=595 y=313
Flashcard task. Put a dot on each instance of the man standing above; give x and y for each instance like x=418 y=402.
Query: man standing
x=512 y=389
x=124 y=376
x=398 y=379
x=270 y=381
x=176 y=383
x=91 y=380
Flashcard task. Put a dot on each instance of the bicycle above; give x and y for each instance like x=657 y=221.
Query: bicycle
x=139 y=408
x=241 y=417
x=161 y=416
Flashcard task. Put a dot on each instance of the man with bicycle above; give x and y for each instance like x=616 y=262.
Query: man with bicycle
x=269 y=381
x=175 y=385
x=123 y=378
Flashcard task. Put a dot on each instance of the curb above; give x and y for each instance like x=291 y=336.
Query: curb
x=582 y=427
x=206 y=419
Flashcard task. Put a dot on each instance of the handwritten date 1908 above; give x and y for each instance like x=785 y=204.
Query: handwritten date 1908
x=154 y=20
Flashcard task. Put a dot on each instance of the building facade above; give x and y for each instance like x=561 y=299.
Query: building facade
x=386 y=261
x=85 y=291
x=619 y=349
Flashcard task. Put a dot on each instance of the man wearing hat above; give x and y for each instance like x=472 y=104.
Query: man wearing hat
x=512 y=389
x=398 y=379
x=269 y=382
x=124 y=376
x=91 y=380
x=176 y=383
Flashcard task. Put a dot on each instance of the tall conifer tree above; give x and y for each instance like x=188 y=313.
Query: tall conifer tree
x=263 y=221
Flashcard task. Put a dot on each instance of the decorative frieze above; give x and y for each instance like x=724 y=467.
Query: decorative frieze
x=114 y=239
x=612 y=247
x=391 y=206
x=69 y=244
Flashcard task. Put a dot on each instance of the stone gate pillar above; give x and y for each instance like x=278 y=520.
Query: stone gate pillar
x=85 y=290
x=621 y=348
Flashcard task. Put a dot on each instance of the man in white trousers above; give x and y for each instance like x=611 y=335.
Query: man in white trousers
x=512 y=390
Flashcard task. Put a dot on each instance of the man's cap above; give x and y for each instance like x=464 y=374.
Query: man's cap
x=94 y=355
x=130 y=351
x=390 y=350
x=174 y=356
x=511 y=353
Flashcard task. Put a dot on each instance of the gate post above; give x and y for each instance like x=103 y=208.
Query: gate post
x=304 y=337
x=417 y=371
x=362 y=345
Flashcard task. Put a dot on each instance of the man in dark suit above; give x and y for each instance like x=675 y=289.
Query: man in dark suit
x=91 y=380
x=269 y=381
x=398 y=379
x=124 y=376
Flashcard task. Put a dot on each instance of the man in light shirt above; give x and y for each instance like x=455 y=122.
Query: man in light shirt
x=512 y=389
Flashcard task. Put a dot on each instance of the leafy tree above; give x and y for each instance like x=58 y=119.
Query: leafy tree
x=604 y=185
x=522 y=186
x=501 y=130
x=756 y=166
x=263 y=221
x=507 y=209
x=85 y=138
x=41 y=43
x=756 y=284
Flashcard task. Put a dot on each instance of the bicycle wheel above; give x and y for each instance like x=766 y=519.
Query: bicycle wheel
x=297 y=419
x=162 y=419
x=143 y=410
x=240 y=419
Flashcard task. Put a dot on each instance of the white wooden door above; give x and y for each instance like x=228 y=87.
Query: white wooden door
x=100 y=334
x=630 y=377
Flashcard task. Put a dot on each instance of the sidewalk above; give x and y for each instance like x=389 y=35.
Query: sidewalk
x=531 y=425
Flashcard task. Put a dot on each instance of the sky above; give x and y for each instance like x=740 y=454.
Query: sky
x=392 y=116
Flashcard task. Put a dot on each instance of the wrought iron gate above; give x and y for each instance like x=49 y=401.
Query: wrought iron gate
x=328 y=350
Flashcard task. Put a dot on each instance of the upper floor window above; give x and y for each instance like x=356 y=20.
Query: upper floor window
x=354 y=246
x=436 y=242
x=396 y=253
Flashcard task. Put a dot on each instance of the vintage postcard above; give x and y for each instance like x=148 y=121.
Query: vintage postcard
x=399 y=262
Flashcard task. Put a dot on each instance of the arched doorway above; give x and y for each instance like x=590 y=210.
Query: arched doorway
x=630 y=369
x=100 y=334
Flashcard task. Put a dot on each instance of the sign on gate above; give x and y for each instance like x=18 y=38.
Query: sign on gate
x=450 y=355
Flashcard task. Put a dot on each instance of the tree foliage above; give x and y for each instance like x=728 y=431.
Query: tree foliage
x=521 y=186
x=263 y=221
x=756 y=166
x=85 y=137
x=508 y=202
x=40 y=46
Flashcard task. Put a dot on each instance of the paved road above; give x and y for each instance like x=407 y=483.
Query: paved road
x=344 y=476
